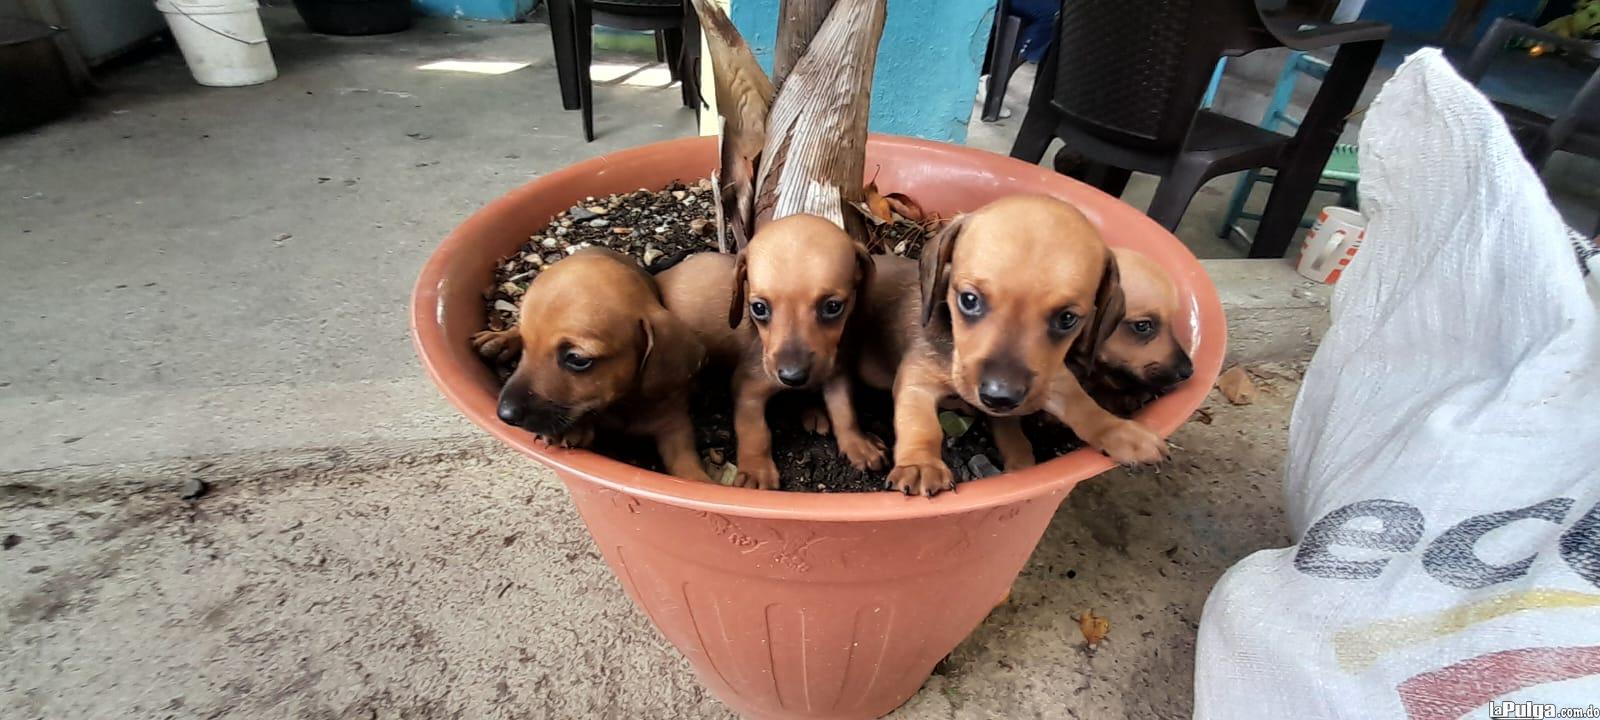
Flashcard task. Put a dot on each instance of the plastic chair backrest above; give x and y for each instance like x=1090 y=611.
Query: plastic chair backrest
x=1126 y=70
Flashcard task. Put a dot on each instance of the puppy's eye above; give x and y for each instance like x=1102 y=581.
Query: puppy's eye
x=1064 y=321
x=830 y=309
x=576 y=362
x=760 y=311
x=971 y=305
x=1142 y=327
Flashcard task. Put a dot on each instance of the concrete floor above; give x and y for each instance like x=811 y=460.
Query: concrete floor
x=454 y=581
x=204 y=283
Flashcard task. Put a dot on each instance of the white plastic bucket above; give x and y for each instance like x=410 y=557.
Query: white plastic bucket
x=222 y=41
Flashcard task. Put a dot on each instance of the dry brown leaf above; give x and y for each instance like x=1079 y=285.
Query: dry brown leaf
x=877 y=203
x=866 y=213
x=902 y=205
x=1237 y=386
x=1094 y=628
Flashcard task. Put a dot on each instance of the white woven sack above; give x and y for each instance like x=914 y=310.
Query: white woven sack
x=1441 y=484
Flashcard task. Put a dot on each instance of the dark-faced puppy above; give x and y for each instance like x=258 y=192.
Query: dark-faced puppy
x=1005 y=293
x=794 y=291
x=600 y=352
x=1142 y=358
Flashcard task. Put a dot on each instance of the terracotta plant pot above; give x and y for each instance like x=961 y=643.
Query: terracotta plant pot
x=799 y=605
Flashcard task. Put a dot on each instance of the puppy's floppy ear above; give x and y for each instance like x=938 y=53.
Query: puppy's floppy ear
x=672 y=354
x=740 y=293
x=935 y=267
x=1109 y=311
x=865 y=269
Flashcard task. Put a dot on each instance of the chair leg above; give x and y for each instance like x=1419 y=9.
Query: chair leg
x=1033 y=138
x=561 y=37
x=689 y=59
x=678 y=61
x=1110 y=180
x=673 y=40
x=661 y=50
x=1216 y=81
x=1236 y=203
x=1174 y=194
x=1350 y=197
x=1319 y=131
x=583 y=27
x=1039 y=122
x=1002 y=66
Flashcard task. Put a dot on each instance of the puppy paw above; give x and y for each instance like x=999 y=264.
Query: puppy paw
x=815 y=420
x=1129 y=443
x=864 y=450
x=757 y=474
x=926 y=479
x=501 y=346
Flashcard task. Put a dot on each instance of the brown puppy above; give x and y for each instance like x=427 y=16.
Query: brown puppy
x=600 y=352
x=1142 y=358
x=1004 y=294
x=781 y=315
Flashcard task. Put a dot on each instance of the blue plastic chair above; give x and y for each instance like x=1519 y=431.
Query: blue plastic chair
x=1341 y=175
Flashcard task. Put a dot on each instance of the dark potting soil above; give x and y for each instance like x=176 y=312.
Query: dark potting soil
x=661 y=228
x=812 y=463
x=658 y=228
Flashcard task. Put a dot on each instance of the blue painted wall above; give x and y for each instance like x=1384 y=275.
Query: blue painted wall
x=491 y=10
x=928 y=62
x=1426 y=18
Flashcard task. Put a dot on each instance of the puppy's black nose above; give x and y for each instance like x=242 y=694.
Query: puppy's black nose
x=1184 y=369
x=794 y=375
x=512 y=412
x=1000 y=394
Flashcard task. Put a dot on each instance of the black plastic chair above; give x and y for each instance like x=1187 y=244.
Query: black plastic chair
x=1576 y=129
x=571 y=29
x=1122 y=88
x=1003 y=59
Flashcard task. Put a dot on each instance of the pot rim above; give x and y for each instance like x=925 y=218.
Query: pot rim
x=453 y=377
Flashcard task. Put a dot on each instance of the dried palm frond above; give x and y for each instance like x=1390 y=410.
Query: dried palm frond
x=798 y=23
x=815 y=153
x=744 y=97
